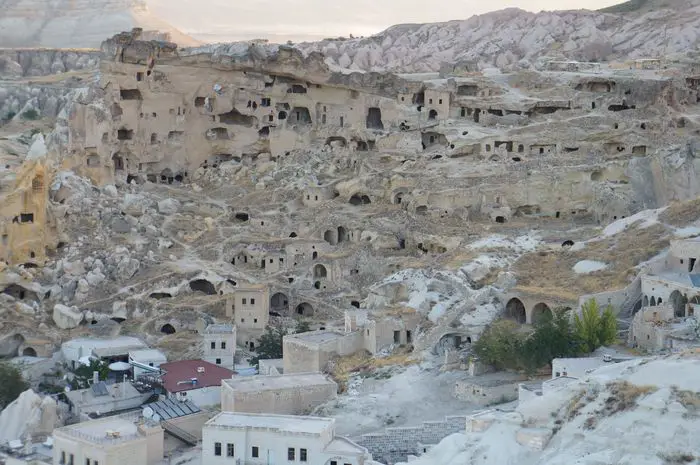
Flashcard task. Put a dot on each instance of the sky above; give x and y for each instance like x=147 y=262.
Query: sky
x=281 y=20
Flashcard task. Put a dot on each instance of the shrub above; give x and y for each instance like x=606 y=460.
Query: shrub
x=30 y=114
x=12 y=384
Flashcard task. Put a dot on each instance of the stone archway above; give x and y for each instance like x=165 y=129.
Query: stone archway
x=304 y=309
x=450 y=341
x=652 y=302
x=678 y=302
x=29 y=352
x=331 y=236
x=645 y=301
x=279 y=303
x=359 y=199
x=515 y=310
x=202 y=285
x=539 y=311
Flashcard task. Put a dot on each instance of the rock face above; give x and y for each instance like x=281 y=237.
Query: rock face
x=28 y=414
x=66 y=317
x=75 y=24
x=504 y=38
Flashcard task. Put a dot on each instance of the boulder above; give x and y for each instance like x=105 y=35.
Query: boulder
x=168 y=206
x=66 y=317
x=29 y=414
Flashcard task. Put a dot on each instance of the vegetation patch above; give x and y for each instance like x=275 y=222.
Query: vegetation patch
x=688 y=399
x=623 y=396
x=551 y=272
x=681 y=213
x=676 y=458
x=363 y=364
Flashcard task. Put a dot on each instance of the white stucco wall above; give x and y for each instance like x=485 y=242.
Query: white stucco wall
x=203 y=397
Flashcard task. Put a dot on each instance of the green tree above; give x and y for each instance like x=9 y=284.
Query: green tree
x=12 y=384
x=269 y=345
x=595 y=329
x=84 y=373
x=499 y=345
x=553 y=337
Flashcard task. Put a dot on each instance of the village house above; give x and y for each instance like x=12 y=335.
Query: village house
x=101 y=398
x=249 y=308
x=109 y=349
x=495 y=388
x=116 y=440
x=291 y=394
x=219 y=345
x=658 y=328
x=254 y=438
x=194 y=380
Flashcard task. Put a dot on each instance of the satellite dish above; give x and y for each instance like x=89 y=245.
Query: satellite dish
x=155 y=417
x=147 y=412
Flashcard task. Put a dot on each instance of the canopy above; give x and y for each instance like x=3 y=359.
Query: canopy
x=119 y=366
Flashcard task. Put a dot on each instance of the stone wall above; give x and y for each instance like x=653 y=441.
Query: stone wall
x=395 y=444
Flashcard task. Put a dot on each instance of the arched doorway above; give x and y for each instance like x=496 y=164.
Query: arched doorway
x=568 y=243
x=304 y=309
x=342 y=234
x=645 y=301
x=515 y=310
x=540 y=310
x=29 y=352
x=118 y=319
x=450 y=341
x=167 y=329
x=279 y=303
x=331 y=236
x=678 y=302
x=652 y=302
x=320 y=271
x=432 y=115
x=204 y=286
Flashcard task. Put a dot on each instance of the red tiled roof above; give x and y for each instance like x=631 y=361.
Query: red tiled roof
x=185 y=370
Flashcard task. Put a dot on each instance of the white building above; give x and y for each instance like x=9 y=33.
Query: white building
x=117 y=440
x=249 y=438
x=112 y=348
x=220 y=345
x=150 y=357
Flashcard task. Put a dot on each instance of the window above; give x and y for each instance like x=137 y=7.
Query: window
x=71 y=460
x=217 y=449
x=229 y=450
x=223 y=345
x=440 y=101
x=242 y=320
x=63 y=458
x=302 y=455
x=252 y=301
x=255 y=320
x=95 y=462
x=255 y=453
x=213 y=345
x=218 y=362
x=87 y=461
x=290 y=454
x=245 y=301
x=333 y=462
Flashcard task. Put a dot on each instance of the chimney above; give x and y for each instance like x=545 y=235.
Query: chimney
x=95 y=377
x=200 y=370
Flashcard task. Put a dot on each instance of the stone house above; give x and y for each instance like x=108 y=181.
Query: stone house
x=219 y=345
x=657 y=328
x=249 y=307
x=115 y=440
x=496 y=388
x=102 y=398
x=291 y=394
x=263 y=438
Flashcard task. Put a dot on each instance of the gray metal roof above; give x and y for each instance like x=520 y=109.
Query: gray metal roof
x=168 y=409
x=695 y=279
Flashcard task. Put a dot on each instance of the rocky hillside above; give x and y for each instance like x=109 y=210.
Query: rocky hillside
x=638 y=412
x=503 y=38
x=76 y=23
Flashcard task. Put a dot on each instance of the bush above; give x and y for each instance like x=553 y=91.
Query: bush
x=30 y=114
x=9 y=116
x=271 y=342
x=12 y=384
x=594 y=329
x=505 y=345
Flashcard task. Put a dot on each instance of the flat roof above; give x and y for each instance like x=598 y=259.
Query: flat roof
x=147 y=354
x=216 y=329
x=103 y=431
x=97 y=343
x=285 y=423
x=318 y=337
x=274 y=382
